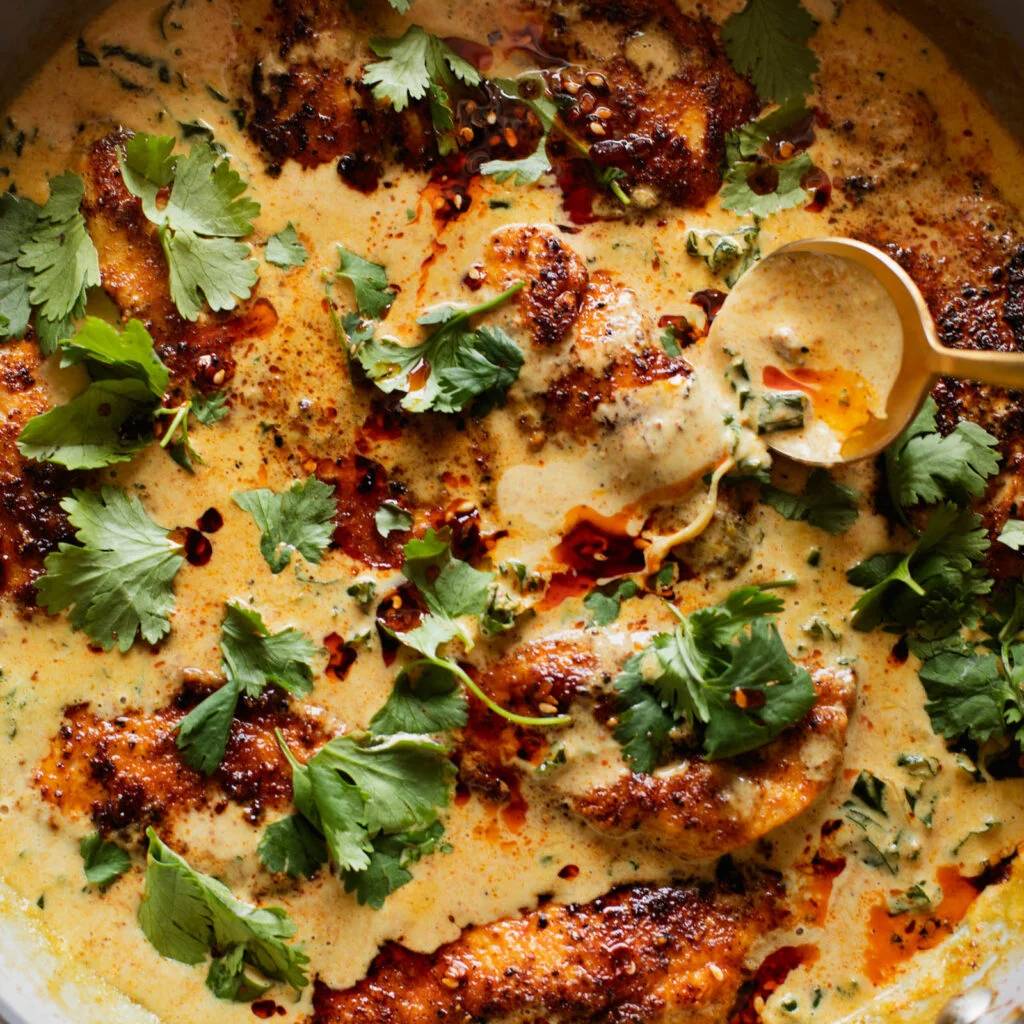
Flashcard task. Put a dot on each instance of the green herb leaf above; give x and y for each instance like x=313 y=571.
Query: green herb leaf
x=293 y=846
x=392 y=518
x=211 y=408
x=738 y=195
x=108 y=353
x=467 y=368
x=252 y=658
x=767 y=42
x=823 y=503
x=117 y=580
x=723 y=672
x=375 y=800
x=103 y=862
x=426 y=699
x=923 y=466
x=204 y=214
x=369 y=282
x=931 y=588
x=285 y=250
x=604 y=605
x=388 y=867
x=186 y=915
x=299 y=519
x=729 y=254
x=419 y=65
x=60 y=253
x=107 y=423
x=228 y=978
x=526 y=170
x=1012 y=534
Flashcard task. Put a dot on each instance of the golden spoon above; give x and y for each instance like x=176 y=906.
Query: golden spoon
x=923 y=359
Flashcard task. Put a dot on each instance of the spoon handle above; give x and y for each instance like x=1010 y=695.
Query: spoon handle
x=1002 y=368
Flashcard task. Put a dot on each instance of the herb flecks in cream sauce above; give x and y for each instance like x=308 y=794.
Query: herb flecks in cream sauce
x=605 y=441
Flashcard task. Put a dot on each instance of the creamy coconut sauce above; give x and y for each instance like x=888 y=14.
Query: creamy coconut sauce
x=293 y=383
x=818 y=329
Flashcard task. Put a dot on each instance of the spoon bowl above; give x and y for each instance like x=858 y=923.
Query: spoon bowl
x=923 y=361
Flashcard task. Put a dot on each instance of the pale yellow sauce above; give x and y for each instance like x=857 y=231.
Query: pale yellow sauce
x=92 y=954
x=822 y=327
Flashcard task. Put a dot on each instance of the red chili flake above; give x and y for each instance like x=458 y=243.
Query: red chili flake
x=210 y=521
x=570 y=871
x=198 y=548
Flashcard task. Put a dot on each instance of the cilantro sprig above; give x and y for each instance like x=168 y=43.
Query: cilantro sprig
x=252 y=658
x=722 y=678
x=453 y=592
x=923 y=466
x=204 y=215
x=188 y=916
x=103 y=862
x=373 y=294
x=755 y=182
x=455 y=369
x=117 y=580
x=823 y=502
x=115 y=416
x=299 y=519
x=768 y=42
x=47 y=263
x=419 y=65
x=369 y=804
x=285 y=250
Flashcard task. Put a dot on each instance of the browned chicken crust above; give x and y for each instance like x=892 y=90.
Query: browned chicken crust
x=642 y=955
x=127 y=770
x=32 y=523
x=707 y=808
x=696 y=808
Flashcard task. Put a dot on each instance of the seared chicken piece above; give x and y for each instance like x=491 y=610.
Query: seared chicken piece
x=703 y=809
x=694 y=807
x=127 y=769
x=32 y=523
x=669 y=955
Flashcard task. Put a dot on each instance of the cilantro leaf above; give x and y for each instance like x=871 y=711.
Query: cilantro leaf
x=217 y=269
x=211 y=408
x=375 y=800
x=604 y=605
x=450 y=588
x=967 y=694
x=369 y=281
x=228 y=978
x=1012 y=534
x=526 y=170
x=923 y=466
x=60 y=253
x=108 y=422
x=392 y=518
x=388 y=868
x=932 y=587
x=293 y=846
x=285 y=250
x=47 y=261
x=739 y=195
x=425 y=699
x=767 y=42
x=466 y=367
x=419 y=65
x=107 y=353
x=117 y=579
x=299 y=519
x=187 y=915
x=644 y=724
x=252 y=658
x=823 y=503
x=200 y=223
x=103 y=862
x=730 y=255
x=113 y=418
x=723 y=673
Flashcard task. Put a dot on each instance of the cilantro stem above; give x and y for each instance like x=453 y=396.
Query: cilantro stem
x=489 y=702
x=584 y=150
x=484 y=307
x=616 y=190
x=179 y=414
